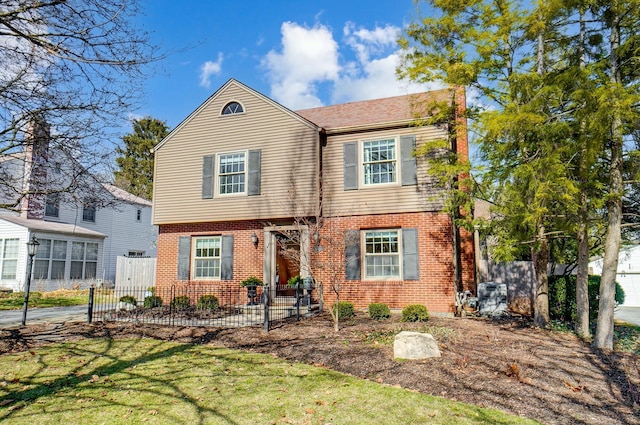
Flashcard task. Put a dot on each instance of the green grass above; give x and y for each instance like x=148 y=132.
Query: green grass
x=626 y=337
x=61 y=298
x=157 y=382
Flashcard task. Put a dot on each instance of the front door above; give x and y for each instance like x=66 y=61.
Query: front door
x=285 y=256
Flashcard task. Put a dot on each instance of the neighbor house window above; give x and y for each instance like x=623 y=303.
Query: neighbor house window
x=135 y=254
x=84 y=260
x=138 y=215
x=50 y=260
x=382 y=253
x=206 y=257
x=52 y=208
x=9 y=258
x=231 y=173
x=89 y=212
x=379 y=161
x=232 y=108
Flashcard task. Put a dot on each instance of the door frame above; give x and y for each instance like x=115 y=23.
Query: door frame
x=270 y=246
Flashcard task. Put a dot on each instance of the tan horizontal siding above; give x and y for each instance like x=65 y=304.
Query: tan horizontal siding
x=288 y=169
x=384 y=199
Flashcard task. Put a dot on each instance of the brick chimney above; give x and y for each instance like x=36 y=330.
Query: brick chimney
x=35 y=169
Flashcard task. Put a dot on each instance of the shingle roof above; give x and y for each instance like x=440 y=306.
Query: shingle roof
x=125 y=196
x=51 y=227
x=377 y=111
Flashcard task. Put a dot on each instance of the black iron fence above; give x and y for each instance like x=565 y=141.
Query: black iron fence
x=202 y=305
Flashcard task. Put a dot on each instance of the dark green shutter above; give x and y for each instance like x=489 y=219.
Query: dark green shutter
x=253 y=187
x=226 y=258
x=352 y=255
x=410 y=254
x=208 y=164
x=184 y=255
x=350 y=158
x=409 y=165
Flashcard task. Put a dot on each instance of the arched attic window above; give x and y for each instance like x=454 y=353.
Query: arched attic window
x=232 y=108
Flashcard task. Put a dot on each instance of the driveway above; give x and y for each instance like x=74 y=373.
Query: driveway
x=628 y=314
x=12 y=318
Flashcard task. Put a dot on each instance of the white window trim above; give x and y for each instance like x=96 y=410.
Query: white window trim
x=244 y=110
x=84 y=260
x=361 y=170
x=3 y=243
x=193 y=257
x=50 y=258
x=363 y=256
x=216 y=177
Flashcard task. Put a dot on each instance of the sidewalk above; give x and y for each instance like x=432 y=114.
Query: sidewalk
x=13 y=318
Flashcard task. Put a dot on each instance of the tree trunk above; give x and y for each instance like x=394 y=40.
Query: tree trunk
x=541 y=261
x=582 y=278
x=604 y=326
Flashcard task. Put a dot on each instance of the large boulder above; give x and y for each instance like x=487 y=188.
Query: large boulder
x=415 y=345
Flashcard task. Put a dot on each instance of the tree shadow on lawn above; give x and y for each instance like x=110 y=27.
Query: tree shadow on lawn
x=83 y=378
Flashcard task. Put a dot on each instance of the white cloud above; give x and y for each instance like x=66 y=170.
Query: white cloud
x=310 y=70
x=309 y=56
x=208 y=69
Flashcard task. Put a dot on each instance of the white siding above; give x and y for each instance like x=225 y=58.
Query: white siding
x=10 y=231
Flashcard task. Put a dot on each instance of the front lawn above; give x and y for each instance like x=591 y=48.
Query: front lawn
x=157 y=382
x=59 y=298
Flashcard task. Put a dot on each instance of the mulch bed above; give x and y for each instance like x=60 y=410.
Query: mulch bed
x=506 y=364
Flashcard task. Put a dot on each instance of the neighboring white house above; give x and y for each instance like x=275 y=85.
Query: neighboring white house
x=81 y=233
x=628 y=275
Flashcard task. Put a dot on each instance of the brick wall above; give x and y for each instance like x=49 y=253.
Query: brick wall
x=434 y=288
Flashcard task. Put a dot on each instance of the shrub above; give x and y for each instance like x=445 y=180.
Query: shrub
x=129 y=300
x=251 y=281
x=152 y=301
x=562 y=297
x=379 y=311
x=344 y=309
x=415 y=313
x=208 y=302
x=152 y=290
x=180 y=303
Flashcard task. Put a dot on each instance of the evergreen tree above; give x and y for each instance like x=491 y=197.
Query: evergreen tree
x=135 y=160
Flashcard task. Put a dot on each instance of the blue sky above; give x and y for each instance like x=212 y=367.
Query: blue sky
x=300 y=53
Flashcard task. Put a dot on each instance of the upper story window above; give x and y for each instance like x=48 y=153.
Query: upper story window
x=231 y=173
x=89 y=212
x=379 y=161
x=232 y=108
x=52 y=208
x=138 y=215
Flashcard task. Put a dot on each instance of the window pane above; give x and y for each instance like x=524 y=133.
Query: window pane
x=90 y=269
x=57 y=269
x=231 y=173
x=41 y=269
x=59 y=250
x=89 y=213
x=9 y=268
x=76 y=270
x=382 y=257
x=77 y=250
x=44 y=250
x=11 y=248
x=207 y=268
x=92 y=252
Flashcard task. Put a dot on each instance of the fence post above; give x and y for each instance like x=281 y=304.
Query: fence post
x=265 y=298
x=90 y=309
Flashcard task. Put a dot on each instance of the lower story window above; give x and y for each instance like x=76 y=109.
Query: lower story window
x=50 y=260
x=84 y=260
x=206 y=257
x=9 y=258
x=382 y=254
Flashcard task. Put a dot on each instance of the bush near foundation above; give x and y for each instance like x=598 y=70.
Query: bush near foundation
x=415 y=313
x=344 y=309
x=379 y=311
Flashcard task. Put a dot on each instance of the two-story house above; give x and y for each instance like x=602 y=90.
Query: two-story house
x=82 y=225
x=242 y=174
